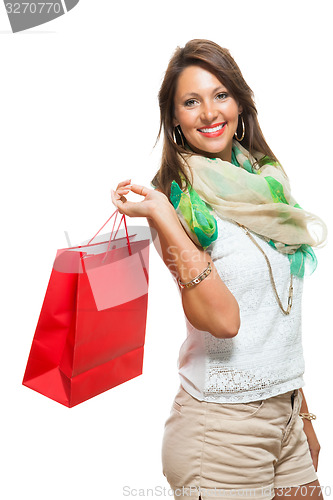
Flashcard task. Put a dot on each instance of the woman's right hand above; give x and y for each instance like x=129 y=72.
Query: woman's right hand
x=154 y=201
x=210 y=306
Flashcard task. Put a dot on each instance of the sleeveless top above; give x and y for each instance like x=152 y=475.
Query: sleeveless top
x=265 y=358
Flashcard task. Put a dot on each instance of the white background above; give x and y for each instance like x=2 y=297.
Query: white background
x=79 y=113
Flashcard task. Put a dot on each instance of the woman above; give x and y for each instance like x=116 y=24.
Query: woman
x=238 y=245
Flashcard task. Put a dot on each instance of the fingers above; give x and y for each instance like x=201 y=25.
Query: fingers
x=121 y=203
x=122 y=190
x=118 y=195
x=118 y=203
x=124 y=183
x=124 y=187
x=142 y=190
x=114 y=198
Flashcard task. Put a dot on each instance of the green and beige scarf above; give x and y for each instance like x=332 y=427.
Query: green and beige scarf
x=258 y=198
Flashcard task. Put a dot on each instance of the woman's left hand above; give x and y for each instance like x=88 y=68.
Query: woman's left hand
x=313 y=442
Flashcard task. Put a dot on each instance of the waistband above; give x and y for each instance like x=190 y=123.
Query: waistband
x=286 y=396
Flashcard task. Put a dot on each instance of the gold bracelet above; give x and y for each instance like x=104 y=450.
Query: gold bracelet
x=197 y=279
x=308 y=416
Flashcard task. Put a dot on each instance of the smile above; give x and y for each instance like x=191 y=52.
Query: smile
x=213 y=131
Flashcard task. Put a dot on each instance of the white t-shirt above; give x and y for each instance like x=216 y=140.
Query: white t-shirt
x=265 y=358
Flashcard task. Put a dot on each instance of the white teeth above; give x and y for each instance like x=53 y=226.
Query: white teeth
x=208 y=130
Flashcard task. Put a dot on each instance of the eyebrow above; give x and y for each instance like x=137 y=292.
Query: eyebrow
x=194 y=94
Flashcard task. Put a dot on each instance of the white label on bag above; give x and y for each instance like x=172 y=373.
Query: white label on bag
x=118 y=282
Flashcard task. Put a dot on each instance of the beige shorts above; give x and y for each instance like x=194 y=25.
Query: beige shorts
x=235 y=450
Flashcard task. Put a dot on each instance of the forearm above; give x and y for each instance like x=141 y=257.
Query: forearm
x=209 y=306
x=304 y=406
x=304 y=409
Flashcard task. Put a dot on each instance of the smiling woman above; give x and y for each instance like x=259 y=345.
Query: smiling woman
x=203 y=88
x=208 y=118
x=238 y=245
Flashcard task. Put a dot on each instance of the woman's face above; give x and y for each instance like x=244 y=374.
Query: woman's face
x=206 y=113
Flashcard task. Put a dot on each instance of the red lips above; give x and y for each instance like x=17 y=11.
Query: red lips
x=213 y=126
x=213 y=134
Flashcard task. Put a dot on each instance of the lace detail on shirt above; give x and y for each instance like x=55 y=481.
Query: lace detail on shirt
x=222 y=379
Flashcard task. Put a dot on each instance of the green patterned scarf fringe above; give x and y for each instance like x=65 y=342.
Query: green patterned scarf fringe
x=200 y=220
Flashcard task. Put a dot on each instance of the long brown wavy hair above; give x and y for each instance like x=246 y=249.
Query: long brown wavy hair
x=218 y=61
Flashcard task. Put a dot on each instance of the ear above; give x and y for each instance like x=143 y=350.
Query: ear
x=240 y=109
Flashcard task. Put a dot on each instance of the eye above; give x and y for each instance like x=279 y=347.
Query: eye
x=190 y=102
x=222 y=95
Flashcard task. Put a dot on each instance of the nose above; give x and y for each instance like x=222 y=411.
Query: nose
x=209 y=112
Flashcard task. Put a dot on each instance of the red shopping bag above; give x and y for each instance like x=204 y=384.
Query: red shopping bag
x=91 y=330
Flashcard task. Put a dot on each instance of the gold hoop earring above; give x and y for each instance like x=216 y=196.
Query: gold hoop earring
x=180 y=136
x=243 y=134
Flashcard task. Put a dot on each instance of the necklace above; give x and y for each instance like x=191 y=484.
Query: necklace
x=291 y=289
